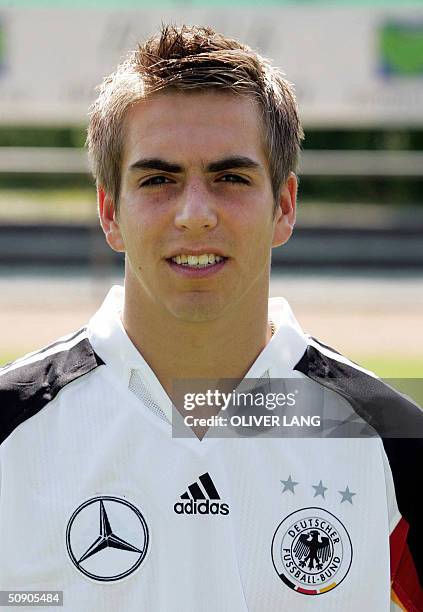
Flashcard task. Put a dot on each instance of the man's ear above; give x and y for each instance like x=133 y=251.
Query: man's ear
x=284 y=218
x=109 y=221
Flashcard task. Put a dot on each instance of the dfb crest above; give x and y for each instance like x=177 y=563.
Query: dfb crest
x=311 y=551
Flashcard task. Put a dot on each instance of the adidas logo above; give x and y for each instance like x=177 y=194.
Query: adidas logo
x=201 y=499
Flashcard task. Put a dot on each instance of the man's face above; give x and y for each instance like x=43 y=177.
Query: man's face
x=195 y=183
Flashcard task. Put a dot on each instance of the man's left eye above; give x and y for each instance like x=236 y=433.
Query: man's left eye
x=234 y=178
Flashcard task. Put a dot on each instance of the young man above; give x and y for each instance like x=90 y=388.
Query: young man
x=194 y=142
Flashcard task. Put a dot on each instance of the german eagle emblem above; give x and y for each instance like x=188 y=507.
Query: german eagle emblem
x=312 y=549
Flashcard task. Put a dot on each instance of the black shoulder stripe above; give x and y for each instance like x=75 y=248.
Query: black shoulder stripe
x=386 y=411
x=26 y=389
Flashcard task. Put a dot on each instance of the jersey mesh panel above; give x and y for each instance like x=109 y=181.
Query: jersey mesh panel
x=139 y=389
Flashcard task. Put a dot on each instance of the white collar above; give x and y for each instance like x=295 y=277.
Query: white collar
x=110 y=341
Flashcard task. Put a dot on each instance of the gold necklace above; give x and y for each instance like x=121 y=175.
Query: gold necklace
x=272 y=327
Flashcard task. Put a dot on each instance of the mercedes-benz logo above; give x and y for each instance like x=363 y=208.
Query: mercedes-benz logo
x=107 y=538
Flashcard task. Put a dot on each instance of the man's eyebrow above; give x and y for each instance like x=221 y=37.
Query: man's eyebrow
x=154 y=163
x=229 y=163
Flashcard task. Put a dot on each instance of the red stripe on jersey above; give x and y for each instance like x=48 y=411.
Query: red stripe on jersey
x=397 y=541
x=405 y=582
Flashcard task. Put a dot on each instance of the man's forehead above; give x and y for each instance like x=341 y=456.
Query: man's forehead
x=205 y=98
x=206 y=126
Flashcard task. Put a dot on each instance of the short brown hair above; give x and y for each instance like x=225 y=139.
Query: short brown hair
x=193 y=58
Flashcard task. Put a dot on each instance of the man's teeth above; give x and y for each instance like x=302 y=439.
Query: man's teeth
x=197 y=260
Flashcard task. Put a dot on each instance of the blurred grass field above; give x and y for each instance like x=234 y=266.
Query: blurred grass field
x=394 y=367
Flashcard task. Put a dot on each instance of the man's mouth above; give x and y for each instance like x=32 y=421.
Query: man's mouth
x=205 y=260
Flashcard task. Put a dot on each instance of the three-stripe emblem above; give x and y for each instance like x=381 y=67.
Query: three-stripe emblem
x=196 y=492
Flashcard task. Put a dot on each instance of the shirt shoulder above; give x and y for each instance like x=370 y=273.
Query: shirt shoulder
x=398 y=420
x=32 y=382
x=390 y=413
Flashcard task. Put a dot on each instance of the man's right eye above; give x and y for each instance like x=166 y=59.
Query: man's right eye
x=155 y=180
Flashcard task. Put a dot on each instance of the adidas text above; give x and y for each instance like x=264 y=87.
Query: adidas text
x=201 y=507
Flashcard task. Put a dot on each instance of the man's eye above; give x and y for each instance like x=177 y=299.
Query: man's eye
x=233 y=178
x=155 y=180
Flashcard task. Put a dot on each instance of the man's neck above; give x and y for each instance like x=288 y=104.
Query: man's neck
x=177 y=349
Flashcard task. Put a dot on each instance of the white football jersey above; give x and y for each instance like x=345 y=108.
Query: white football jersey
x=100 y=501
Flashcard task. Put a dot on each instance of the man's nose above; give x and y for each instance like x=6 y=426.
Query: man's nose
x=196 y=209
